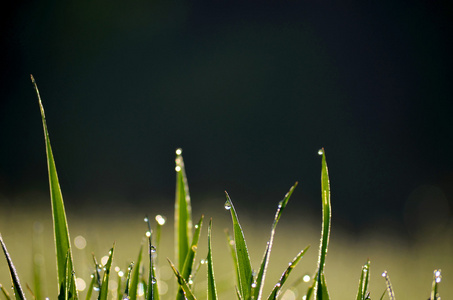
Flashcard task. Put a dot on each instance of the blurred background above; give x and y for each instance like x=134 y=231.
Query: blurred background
x=250 y=92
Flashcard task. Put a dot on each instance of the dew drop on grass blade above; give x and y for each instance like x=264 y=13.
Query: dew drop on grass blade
x=278 y=286
x=259 y=281
x=183 y=212
x=212 y=290
x=243 y=259
x=389 y=285
x=91 y=287
x=363 y=282
x=103 y=293
x=437 y=278
x=152 y=290
x=61 y=233
x=128 y=281
x=18 y=292
x=320 y=290
x=188 y=294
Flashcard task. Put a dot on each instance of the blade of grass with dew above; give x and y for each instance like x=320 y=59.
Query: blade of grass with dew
x=18 y=292
x=233 y=253
x=212 y=290
x=183 y=212
x=103 y=293
x=437 y=277
x=259 y=281
x=135 y=276
x=320 y=291
x=244 y=265
x=128 y=281
x=160 y=221
x=389 y=285
x=90 y=287
x=190 y=258
x=152 y=290
x=61 y=233
x=66 y=292
x=278 y=286
x=363 y=282
x=188 y=294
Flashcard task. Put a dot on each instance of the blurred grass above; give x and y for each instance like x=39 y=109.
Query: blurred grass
x=410 y=265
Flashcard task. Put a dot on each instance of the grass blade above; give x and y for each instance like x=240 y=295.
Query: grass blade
x=135 y=278
x=90 y=287
x=38 y=260
x=363 y=282
x=243 y=259
x=233 y=253
x=259 y=281
x=278 y=286
x=389 y=285
x=18 y=292
x=183 y=283
x=190 y=258
x=103 y=293
x=183 y=212
x=5 y=292
x=320 y=290
x=212 y=290
x=128 y=281
x=436 y=280
x=61 y=233
x=152 y=291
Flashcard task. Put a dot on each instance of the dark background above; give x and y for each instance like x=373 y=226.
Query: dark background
x=249 y=90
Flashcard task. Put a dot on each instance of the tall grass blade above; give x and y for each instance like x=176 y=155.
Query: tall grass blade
x=188 y=294
x=152 y=291
x=5 y=292
x=243 y=259
x=278 y=286
x=233 y=254
x=38 y=260
x=190 y=258
x=90 y=287
x=61 y=233
x=389 y=285
x=103 y=293
x=437 y=278
x=128 y=281
x=135 y=278
x=320 y=290
x=363 y=282
x=259 y=281
x=212 y=290
x=183 y=212
x=18 y=292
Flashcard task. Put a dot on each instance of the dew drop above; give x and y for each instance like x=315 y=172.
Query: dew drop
x=148 y=233
x=203 y=261
x=153 y=249
x=177 y=168
x=227 y=205
x=196 y=226
x=306 y=278
x=178 y=151
x=320 y=151
x=120 y=273
x=153 y=280
x=278 y=284
x=190 y=282
x=160 y=220
x=254 y=285
x=146 y=219
x=384 y=274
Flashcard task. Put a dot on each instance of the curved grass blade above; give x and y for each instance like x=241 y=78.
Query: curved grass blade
x=128 y=281
x=183 y=212
x=135 y=278
x=259 y=281
x=389 y=285
x=18 y=292
x=320 y=290
x=152 y=291
x=278 y=286
x=243 y=259
x=190 y=258
x=91 y=287
x=363 y=282
x=437 y=278
x=212 y=290
x=103 y=293
x=233 y=253
x=183 y=283
x=61 y=233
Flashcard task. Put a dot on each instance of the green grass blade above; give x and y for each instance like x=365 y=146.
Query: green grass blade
x=326 y=217
x=278 y=286
x=190 y=258
x=61 y=233
x=152 y=291
x=18 y=292
x=5 y=292
x=389 y=285
x=437 y=277
x=128 y=281
x=38 y=261
x=259 y=281
x=135 y=278
x=243 y=259
x=212 y=290
x=91 y=287
x=183 y=212
x=103 y=293
x=233 y=253
x=363 y=282
x=183 y=283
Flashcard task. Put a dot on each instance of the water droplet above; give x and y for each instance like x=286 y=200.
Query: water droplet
x=160 y=220
x=190 y=282
x=153 y=249
x=306 y=278
x=92 y=276
x=177 y=168
x=153 y=280
x=278 y=284
x=148 y=233
x=120 y=273
x=232 y=242
x=96 y=288
x=227 y=205
x=438 y=276
x=384 y=274
x=178 y=151
x=146 y=219
x=254 y=285
x=203 y=261
x=320 y=151
x=196 y=226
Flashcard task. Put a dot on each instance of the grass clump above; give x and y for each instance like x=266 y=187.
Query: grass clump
x=249 y=284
